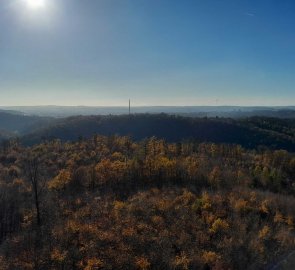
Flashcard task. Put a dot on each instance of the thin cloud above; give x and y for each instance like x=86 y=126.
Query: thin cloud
x=250 y=14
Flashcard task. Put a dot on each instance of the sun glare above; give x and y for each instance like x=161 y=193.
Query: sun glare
x=35 y=4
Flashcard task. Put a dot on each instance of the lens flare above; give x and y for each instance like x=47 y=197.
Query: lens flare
x=35 y=4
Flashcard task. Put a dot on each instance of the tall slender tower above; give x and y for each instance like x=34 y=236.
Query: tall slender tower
x=129 y=107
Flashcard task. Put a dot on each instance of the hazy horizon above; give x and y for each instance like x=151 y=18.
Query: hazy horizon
x=145 y=105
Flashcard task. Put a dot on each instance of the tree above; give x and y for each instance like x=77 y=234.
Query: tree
x=60 y=181
x=34 y=173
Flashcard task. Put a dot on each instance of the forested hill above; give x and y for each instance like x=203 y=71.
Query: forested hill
x=5 y=135
x=251 y=133
x=14 y=122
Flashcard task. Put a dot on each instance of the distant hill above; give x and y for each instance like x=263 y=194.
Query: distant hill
x=19 y=124
x=11 y=112
x=238 y=114
x=5 y=135
x=192 y=111
x=250 y=132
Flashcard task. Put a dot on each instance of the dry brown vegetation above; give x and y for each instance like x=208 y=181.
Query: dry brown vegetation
x=112 y=203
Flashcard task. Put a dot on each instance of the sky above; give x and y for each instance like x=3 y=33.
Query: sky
x=155 y=52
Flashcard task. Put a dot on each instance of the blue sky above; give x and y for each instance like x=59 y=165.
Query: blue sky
x=156 y=52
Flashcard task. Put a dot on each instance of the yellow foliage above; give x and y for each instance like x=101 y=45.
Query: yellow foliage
x=219 y=225
x=28 y=219
x=278 y=218
x=165 y=163
x=253 y=196
x=72 y=226
x=163 y=205
x=215 y=177
x=118 y=205
x=118 y=156
x=264 y=233
x=108 y=170
x=192 y=167
x=142 y=263
x=186 y=198
x=157 y=220
x=94 y=264
x=128 y=232
x=60 y=181
x=58 y=255
x=18 y=182
x=290 y=222
x=241 y=205
x=210 y=257
x=264 y=207
x=206 y=204
x=182 y=261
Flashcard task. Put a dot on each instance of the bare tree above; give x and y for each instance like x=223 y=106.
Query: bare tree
x=35 y=175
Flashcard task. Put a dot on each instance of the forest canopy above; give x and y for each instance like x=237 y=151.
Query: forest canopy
x=109 y=202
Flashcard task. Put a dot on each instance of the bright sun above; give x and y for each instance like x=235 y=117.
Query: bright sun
x=36 y=4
